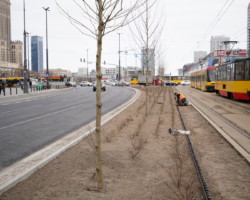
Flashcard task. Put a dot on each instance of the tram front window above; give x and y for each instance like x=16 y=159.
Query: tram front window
x=210 y=75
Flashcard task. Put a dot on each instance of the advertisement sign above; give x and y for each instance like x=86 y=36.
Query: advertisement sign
x=219 y=53
x=242 y=52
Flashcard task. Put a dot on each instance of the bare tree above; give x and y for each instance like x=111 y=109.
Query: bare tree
x=98 y=18
x=148 y=30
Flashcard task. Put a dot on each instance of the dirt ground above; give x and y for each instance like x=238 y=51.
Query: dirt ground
x=141 y=160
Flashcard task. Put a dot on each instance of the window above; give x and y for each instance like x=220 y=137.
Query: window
x=247 y=70
x=239 y=70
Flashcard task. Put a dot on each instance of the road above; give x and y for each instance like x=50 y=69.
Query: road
x=29 y=124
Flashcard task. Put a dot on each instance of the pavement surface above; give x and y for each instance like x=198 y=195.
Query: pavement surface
x=22 y=169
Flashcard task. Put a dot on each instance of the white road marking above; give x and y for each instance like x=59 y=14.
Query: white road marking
x=40 y=117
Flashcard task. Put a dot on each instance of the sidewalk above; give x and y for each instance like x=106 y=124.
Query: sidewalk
x=12 y=92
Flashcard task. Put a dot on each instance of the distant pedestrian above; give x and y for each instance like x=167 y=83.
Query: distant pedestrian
x=1 y=87
x=22 y=84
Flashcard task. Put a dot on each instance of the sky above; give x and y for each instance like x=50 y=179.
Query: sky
x=186 y=26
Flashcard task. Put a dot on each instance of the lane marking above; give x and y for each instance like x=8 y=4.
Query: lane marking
x=19 y=109
x=29 y=120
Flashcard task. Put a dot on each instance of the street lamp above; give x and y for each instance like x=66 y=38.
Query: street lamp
x=28 y=34
x=87 y=64
x=25 y=86
x=47 y=51
x=119 y=73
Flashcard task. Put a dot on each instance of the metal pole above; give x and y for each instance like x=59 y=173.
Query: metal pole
x=25 y=88
x=87 y=64
x=119 y=73
x=47 y=51
x=28 y=35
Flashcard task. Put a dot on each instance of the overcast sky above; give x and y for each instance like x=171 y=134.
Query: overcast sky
x=188 y=27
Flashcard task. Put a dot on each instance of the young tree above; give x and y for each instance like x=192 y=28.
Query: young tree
x=99 y=18
x=146 y=33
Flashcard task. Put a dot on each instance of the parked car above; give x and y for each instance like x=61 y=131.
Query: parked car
x=185 y=83
x=103 y=86
x=70 y=84
x=86 y=83
x=171 y=83
x=122 y=83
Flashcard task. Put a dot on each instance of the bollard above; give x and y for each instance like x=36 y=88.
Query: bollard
x=16 y=90
x=10 y=91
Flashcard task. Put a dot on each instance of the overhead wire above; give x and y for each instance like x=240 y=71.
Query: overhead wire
x=218 y=17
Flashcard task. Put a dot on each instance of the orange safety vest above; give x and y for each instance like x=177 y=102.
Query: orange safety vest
x=182 y=97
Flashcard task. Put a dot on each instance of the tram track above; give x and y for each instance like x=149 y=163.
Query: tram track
x=204 y=186
x=227 y=102
x=229 y=122
x=236 y=135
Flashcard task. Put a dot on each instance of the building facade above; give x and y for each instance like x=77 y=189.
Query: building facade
x=5 y=31
x=199 y=55
x=37 y=53
x=151 y=60
x=16 y=53
x=248 y=30
x=217 y=43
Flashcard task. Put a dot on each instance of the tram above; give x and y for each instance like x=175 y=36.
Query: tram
x=232 y=79
x=12 y=81
x=176 y=79
x=203 y=79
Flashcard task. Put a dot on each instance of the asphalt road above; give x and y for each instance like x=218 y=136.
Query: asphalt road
x=28 y=125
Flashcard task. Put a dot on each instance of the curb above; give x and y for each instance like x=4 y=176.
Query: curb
x=24 y=168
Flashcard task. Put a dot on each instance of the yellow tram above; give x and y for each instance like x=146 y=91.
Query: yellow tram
x=233 y=79
x=203 y=79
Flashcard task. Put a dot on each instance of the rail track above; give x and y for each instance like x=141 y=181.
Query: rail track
x=234 y=133
x=230 y=103
x=204 y=186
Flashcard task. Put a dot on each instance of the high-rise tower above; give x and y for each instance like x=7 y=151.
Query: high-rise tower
x=5 y=31
x=248 y=30
x=37 y=53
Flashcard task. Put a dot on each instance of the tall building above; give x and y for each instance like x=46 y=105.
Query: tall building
x=151 y=60
x=248 y=30
x=37 y=53
x=5 y=34
x=199 y=55
x=217 y=43
x=16 y=53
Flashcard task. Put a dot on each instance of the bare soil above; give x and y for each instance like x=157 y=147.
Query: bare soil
x=141 y=160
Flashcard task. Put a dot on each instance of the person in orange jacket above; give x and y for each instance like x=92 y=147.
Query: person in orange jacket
x=181 y=100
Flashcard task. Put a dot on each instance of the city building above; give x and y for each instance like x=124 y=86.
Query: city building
x=16 y=53
x=248 y=30
x=83 y=71
x=151 y=59
x=217 y=43
x=199 y=55
x=37 y=53
x=10 y=52
x=5 y=31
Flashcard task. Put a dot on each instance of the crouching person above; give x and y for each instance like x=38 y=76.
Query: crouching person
x=181 y=100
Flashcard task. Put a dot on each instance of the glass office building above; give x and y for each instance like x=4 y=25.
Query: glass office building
x=37 y=53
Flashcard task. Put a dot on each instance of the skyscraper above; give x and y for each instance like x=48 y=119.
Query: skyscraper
x=5 y=34
x=217 y=43
x=37 y=53
x=151 y=60
x=248 y=30
x=199 y=55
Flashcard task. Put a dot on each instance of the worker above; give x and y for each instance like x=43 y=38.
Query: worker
x=181 y=100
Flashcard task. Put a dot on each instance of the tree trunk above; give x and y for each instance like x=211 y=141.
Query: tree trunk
x=99 y=101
